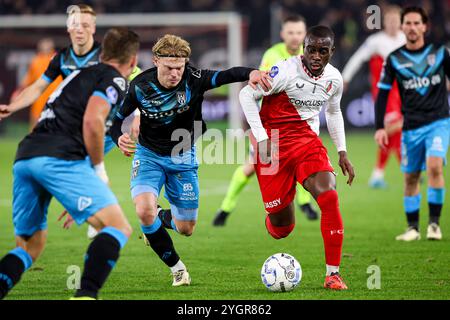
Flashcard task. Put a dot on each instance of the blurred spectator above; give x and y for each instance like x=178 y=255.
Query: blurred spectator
x=38 y=65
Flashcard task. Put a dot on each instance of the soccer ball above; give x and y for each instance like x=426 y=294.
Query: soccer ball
x=281 y=272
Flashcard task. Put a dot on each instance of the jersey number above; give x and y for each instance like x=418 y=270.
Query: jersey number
x=60 y=88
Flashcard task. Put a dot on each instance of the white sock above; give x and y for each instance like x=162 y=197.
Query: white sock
x=332 y=269
x=179 y=266
x=378 y=174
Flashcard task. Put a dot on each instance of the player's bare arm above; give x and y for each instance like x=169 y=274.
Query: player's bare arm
x=26 y=98
x=94 y=132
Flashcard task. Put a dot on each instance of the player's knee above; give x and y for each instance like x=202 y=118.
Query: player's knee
x=146 y=213
x=320 y=183
x=278 y=232
x=186 y=229
x=434 y=170
x=412 y=180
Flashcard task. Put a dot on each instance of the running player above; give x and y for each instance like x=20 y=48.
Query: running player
x=420 y=69
x=293 y=34
x=170 y=98
x=375 y=50
x=288 y=124
x=52 y=161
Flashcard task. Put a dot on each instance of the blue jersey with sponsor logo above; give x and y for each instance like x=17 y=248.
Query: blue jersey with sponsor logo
x=59 y=132
x=66 y=61
x=421 y=77
x=172 y=117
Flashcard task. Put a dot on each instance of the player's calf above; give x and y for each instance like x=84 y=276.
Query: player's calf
x=182 y=220
x=104 y=250
x=332 y=229
x=12 y=266
x=19 y=260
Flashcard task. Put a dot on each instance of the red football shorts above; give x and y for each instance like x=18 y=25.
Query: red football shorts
x=295 y=161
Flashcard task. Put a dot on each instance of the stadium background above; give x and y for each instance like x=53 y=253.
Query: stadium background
x=260 y=29
x=221 y=266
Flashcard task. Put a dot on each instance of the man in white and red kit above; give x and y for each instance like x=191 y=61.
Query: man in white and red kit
x=289 y=150
x=375 y=50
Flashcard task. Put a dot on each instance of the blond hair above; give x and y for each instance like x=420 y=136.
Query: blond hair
x=171 y=46
x=392 y=8
x=81 y=8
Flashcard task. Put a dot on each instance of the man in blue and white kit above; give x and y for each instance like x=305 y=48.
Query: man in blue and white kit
x=52 y=162
x=420 y=69
x=170 y=98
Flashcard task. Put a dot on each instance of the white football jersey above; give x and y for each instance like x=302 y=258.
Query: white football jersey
x=295 y=101
x=378 y=44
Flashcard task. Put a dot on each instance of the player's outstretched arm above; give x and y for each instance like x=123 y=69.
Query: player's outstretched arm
x=241 y=74
x=26 y=98
x=355 y=62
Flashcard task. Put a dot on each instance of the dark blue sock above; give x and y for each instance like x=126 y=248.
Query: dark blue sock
x=435 y=203
x=412 y=206
x=161 y=243
x=12 y=266
x=101 y=258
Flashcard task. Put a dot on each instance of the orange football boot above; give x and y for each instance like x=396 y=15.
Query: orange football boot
x=335 y=282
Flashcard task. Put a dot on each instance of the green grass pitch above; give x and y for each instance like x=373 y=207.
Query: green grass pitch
x=225 y=263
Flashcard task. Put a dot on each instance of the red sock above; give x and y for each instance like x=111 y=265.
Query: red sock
x=331 y=226
x=278 y=232
x=382 y=158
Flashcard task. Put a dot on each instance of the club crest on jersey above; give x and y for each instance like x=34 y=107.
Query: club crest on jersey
x=274 y=71
x=112 y=94
x=181 y=97
x=329 y=86
x=121 y=83
x=431 y=59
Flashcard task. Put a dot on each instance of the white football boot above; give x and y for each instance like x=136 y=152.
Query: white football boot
x=181 y=278
x=410 y=235
x=91 y=232
x=434 y=232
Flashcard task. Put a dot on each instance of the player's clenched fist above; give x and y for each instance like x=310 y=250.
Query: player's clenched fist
x=127 y=145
